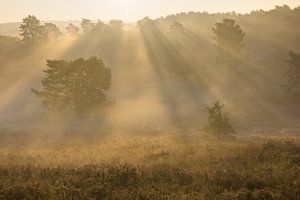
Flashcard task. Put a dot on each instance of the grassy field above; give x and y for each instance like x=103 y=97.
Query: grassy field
x=153 y=166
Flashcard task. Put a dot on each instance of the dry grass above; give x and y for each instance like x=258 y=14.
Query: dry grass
x=159 y=166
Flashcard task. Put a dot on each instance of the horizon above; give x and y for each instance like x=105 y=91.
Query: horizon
x=128 y=11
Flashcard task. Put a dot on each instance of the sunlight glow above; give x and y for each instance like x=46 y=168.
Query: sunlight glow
x=127 y=10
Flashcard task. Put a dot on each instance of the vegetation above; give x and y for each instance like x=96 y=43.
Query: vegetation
x=79 y=85
x=72 y=29
x=229 y=37
x=150 y=143
x=177 y=27
x=31 y=29
x=293 y=74
x=33 y=32
x=51 y=31
x=155 y=167
x=218 y=121
x=87 y=25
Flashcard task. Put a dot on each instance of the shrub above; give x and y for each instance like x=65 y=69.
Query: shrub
x=218 y=121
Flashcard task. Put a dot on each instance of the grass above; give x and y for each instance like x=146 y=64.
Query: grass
x=160 y=166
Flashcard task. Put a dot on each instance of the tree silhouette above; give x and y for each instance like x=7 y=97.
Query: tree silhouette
x=116 y=24
x=282 y=9
x=72 y=30
x=99 y=26
x=79 y=85
x=293 y=85
x=218 y=121
x=177 y=27
x=31 y=30
x=52 y=32
x=87 y=25
x=146 y=21
x=229 y=37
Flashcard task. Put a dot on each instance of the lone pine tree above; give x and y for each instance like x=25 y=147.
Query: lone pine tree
x=79 y=85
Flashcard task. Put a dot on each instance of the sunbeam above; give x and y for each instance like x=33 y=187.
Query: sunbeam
x=140 y=99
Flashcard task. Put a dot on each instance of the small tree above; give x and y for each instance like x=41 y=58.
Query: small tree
x=79 y=85
x=31 y=30
x=293 y=85
x=100 y=26
x=116 y=24
x=229 y=37
x=87 y=25
x=218 y=121
x=72 y=30
x=52 y=32
x=177 y=27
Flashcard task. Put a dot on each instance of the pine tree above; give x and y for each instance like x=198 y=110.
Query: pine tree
x=79 y=85
x=52 y=32
x=72 y=30
x=31 y=30
x=218 y=121
x=87 y=25
x=229 y=37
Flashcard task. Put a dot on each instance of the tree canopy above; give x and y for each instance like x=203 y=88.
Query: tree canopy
x=177 y=27
x=31 y=29
x=229 y=37
x=218 y=121
x=72 y=29
x=52 y=31
x=79 y=85
x=87 y=25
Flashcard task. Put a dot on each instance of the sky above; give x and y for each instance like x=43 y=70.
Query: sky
x=126 y=10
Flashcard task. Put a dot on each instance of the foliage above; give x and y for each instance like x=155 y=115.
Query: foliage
x=218 y=121
x=293 y=73
x=87 y=25
x=229 y=37
x=32 y=30
x=99 y=26
x=52 y=31
x=116 y=24
x=177 y=27
x=72 y=29
x=79 y=85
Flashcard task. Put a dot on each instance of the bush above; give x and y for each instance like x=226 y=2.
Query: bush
x=218 y=121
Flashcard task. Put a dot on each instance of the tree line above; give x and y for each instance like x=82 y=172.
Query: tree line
x=33 y=31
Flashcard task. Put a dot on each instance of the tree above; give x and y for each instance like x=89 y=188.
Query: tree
x=79 y=85
x=229 y=37
x=293 y=74
x=72 y=30
x=145 y=21
x=87 y=25
x=100 y=26
x=52 y=31
x=116 y=24
x=218 y=121
x=31 y=30
x=282 y=9
x=177 y=27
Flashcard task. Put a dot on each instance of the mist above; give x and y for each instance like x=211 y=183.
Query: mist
x=162 y=76
x=193 y=105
